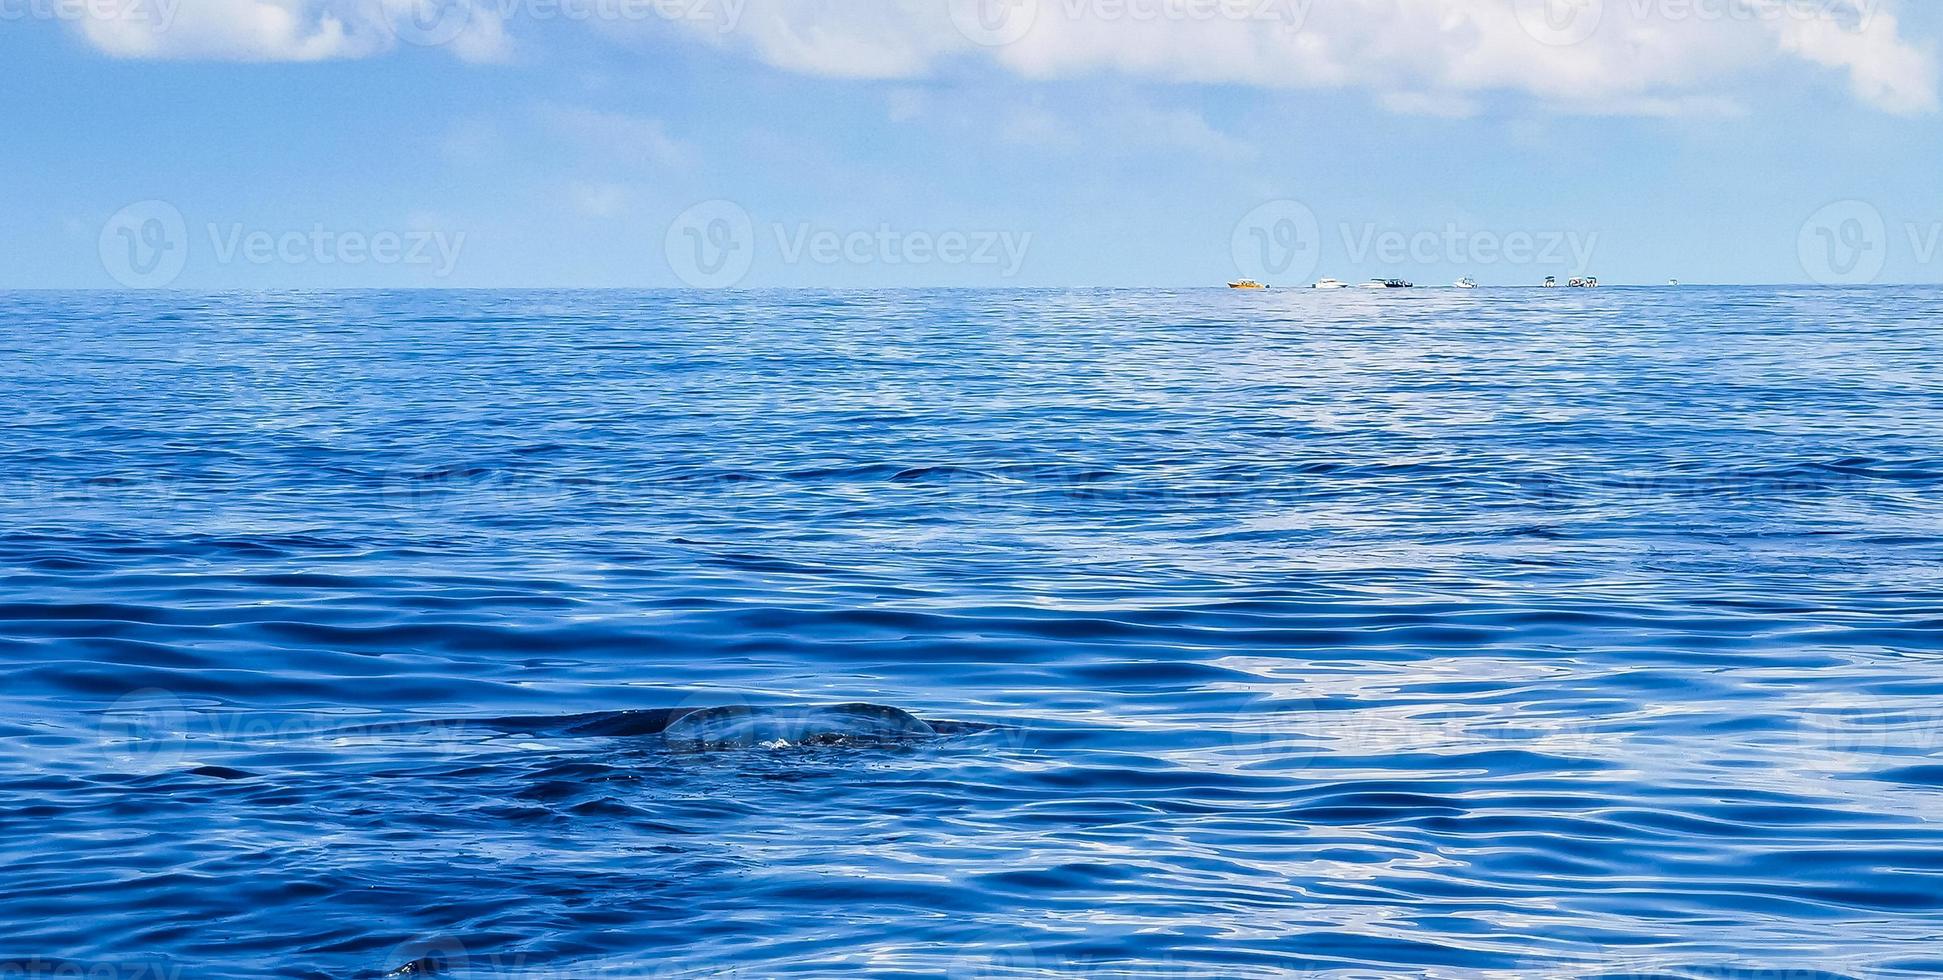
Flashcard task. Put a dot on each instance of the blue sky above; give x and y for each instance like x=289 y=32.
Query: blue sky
x=652 y=143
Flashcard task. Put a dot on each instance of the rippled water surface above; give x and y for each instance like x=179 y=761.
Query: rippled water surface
x=1507 y=633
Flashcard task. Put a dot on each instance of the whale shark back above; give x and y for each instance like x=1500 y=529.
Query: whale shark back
x=741 y=726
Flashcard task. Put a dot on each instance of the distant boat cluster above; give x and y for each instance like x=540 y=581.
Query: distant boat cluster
x=1551 y=282
x=1372 y=284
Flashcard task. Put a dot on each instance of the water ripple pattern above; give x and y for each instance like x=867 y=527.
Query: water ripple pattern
x=972 y=634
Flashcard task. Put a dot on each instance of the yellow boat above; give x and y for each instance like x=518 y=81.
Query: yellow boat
x=1246 y=284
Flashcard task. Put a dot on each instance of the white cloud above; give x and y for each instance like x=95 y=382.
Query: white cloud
x=1121 y=125
x=244 y=30
x=1444 y=105
x=1882 y=70
x=293 y=30
x=622 y=138
x=1662 y=107
x=483 y=39
x=599 y=199
x=1418 y=55
x=1179 y=129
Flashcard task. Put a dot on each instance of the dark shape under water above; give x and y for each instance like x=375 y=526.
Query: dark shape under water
x=741 y=726
x=744 y=726
x=731 y=726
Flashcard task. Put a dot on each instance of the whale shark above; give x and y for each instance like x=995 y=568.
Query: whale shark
x=741 y=726
x=749 y=726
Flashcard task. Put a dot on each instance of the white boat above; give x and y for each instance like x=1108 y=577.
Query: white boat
x=1388 y=284
x=1585 y=282
x=1467 y=283
x=1332 y=284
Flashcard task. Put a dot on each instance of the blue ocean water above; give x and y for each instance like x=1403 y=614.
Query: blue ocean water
x=1494 y=634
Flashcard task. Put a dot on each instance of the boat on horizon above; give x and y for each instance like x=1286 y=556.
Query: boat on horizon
x=1389 y=284
x=1467 y=283
x=1332 y=284
x=1246 y=284
x=1551 y=282
x=1584 y=282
